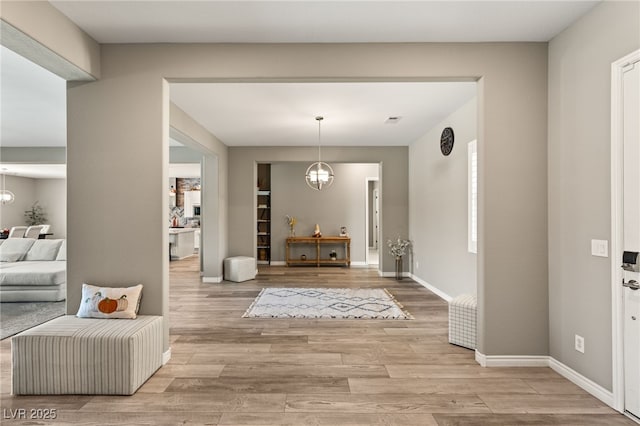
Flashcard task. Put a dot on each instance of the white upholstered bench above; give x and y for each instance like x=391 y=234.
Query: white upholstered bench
x=88 y=356
x=239 y=268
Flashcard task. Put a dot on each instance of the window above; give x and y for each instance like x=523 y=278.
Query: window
x=472 y=161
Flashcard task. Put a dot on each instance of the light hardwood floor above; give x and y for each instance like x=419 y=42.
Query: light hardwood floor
x=228 y=370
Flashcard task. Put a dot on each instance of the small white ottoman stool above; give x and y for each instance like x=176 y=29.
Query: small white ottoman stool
x=462 y=321
x=239 y=268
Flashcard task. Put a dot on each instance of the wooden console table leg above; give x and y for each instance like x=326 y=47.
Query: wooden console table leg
x=286 y=256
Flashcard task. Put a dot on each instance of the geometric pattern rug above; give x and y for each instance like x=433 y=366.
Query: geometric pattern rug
x=343 y=303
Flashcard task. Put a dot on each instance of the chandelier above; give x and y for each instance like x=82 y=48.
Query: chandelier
x=319 y=174
x=6 y=196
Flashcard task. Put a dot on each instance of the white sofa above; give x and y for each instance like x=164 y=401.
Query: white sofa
x=33 y=270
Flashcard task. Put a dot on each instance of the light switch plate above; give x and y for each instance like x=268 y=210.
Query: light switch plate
x=600 y=248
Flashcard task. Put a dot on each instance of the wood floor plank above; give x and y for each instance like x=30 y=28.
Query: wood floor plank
x=544 y=404
x=448 y=386
x=285 y=371
x=286 y=359
x=260 y=385
x=410 y=360
x=190 y=370
x=386 y=403
x=230 y=370
x=471 y=371
x=326 y=419
x=194 y=402
x=554 y=385
x=531 y=420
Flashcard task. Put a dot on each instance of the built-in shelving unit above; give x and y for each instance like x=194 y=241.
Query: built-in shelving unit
x=263 y=221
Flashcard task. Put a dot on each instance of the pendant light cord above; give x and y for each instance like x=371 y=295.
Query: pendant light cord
x=319 y=118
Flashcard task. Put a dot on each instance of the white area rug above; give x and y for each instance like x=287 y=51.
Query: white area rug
x=326 y=303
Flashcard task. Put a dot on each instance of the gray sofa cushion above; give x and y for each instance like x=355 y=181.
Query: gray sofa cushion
x=62 y=253
x=35 y=273
x=14 y=249
x=44 y=250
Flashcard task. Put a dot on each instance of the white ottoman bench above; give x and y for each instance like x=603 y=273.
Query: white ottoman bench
x=239 y=268
x=462 y=321
x=88 y=356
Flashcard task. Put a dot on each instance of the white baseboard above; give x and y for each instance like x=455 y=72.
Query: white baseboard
x=512 y=360
x=278 y=263
x=211 y=279
x=166 y=356
x=587 y=384
x=546 y=361
x=431 y=288
x=359 y=264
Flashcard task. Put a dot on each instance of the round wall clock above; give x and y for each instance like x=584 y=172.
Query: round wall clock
x=446 y=141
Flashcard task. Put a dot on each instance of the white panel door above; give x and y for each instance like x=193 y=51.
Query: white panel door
x=631 y=236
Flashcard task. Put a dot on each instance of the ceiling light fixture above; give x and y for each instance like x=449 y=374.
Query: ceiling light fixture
x=6 y=196
x=319 y=174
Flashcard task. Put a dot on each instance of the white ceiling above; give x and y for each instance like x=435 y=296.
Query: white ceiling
x=283 y=114
x=32 y=103
x=306 y=21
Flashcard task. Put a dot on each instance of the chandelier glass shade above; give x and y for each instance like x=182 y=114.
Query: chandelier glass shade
x=6 y=196
x=319 y=174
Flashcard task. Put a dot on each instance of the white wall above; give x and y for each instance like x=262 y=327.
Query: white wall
x=580 y=185
x=51 y=194
x=438 y=206
x=342 y=204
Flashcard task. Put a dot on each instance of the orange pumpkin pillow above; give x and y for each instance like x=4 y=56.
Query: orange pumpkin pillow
x=109 y=302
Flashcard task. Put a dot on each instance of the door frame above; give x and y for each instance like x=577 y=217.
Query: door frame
x=366 y=217
x=617 y=69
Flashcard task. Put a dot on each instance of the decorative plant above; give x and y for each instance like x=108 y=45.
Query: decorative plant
x=35 y=215
x=291 y=220
x=398 y=247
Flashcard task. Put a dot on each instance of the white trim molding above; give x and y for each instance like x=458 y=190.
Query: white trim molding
x=546 y=361
x=585 y=383
x=431 y=288
x=278 y=263
x=214 y=280
x=512 y=360
x=359 y=264
x=166 y=356
x=617 y=71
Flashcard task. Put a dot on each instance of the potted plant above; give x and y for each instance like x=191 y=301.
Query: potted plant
x=398 y=248
x=35 y=215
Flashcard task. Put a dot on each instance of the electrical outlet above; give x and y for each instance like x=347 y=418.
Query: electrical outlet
x=579 y=343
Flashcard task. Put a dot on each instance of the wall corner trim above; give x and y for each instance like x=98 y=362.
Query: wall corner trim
x=568 y=373
x=166 y=356
x=433 y=289
x=585 y=383
x=214 y=280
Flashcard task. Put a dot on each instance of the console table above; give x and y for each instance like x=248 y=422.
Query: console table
x=318 y=242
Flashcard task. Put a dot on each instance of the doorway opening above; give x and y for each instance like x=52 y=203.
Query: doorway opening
x=373 y=221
